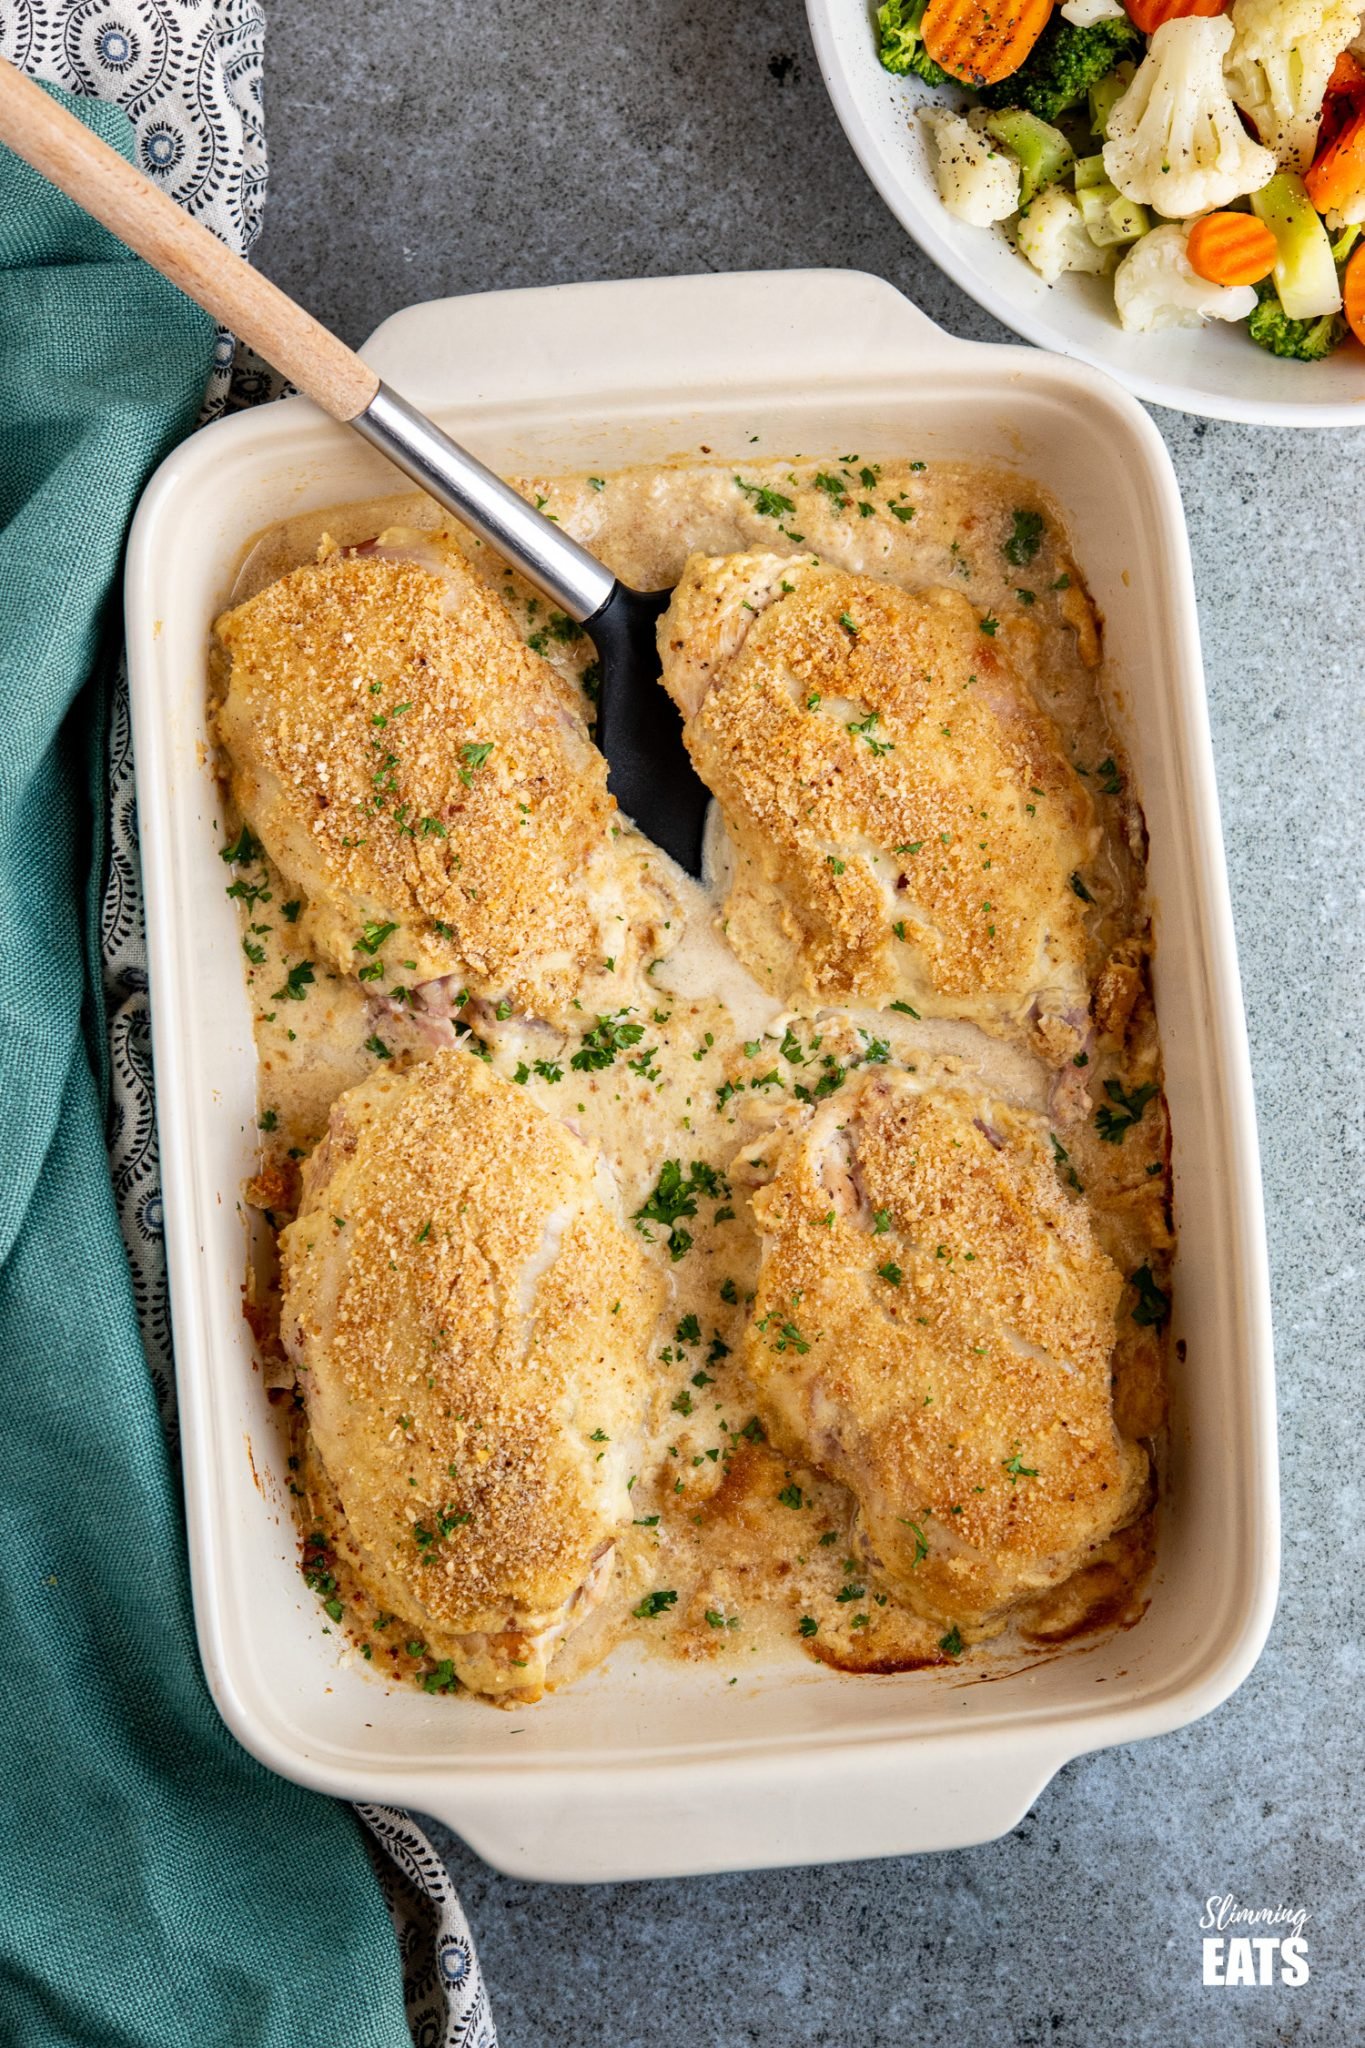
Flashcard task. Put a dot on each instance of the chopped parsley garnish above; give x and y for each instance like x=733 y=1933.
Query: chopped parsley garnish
x=833 y=488
x=1064 y=1166
x=243 y=849
x=791 y=1496
x=906 y=1011
x=296 y=986
x=832 y=1079
x=1078 y=888
x=789 y=1338
x=865 y=729
x=807 y=1626
x=1017 y=1469
x=728 y=1291
x=675 y=1197
x=688 y=1331
x=952 y=1644
x=990 y=625
x=681 y=1403
x=474 y=754
x=849 y=625
x=848 y=1593
x=1113 y=1123
x=891 y=1273
x=768 y=504
x=447 y=1520
x=373 y=937
x=1153 y=1304
x=881 y=1222
x=921 y=1541
x=1026 y=538
x=608 y=1036
x=547 y=1070
x=652 y=1604
x=1111 y=782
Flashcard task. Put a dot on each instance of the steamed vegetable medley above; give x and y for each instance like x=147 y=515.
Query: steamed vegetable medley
x=1209 y=157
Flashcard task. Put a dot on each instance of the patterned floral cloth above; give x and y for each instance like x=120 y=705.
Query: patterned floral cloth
x=188 y=74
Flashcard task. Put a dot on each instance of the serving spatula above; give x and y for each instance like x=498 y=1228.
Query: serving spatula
x=638 y=728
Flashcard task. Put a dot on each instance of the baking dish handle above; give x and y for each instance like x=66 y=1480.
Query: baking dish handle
x=791 y=1808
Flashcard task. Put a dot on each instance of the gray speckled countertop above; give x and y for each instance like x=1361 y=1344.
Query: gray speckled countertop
x=431 y=148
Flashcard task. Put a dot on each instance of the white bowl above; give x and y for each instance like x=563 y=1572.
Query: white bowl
x=1214 y=370
x=649 y=1768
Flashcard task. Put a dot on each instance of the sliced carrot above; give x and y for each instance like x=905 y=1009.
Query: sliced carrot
x=1353 y=293
x=980 y=41
x=1348 y=75
x=1337 y=173
x=1231 y=248
x=1148 y=15
x=1344 y=98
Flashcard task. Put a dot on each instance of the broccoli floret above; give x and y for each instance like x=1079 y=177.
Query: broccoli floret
x=899 y=44
x=1301 y=341
x=1063 y=65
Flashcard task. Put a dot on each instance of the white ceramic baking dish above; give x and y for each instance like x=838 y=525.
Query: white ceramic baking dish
x=650 y=1768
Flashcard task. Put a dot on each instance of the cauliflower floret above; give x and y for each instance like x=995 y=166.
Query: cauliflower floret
x=1085 y=13
x=1052 y=235
x=978 y=181
x=1156 y=287
x=1277 y=69
x=1176 y=141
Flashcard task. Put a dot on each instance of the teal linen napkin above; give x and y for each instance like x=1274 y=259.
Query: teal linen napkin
x=157 y=1887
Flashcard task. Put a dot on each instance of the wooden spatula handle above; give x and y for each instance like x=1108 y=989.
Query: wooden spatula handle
x=149 y=222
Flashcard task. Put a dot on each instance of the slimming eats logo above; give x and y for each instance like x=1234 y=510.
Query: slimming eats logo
x=1244 y=1950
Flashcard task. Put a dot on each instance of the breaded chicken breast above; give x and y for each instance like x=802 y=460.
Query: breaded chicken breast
x=427 y=783
x=471 y=1320
x=933 y=1326
x=906 y=823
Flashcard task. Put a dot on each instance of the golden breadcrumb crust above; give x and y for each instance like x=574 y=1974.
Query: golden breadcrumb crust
x=407 y=761
x=933 y=1326
x=889 y=780
x=472 y=1326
